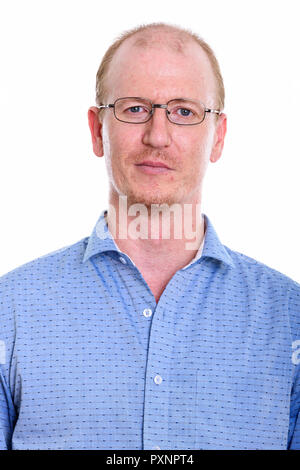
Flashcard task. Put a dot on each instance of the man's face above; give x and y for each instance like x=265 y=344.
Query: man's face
x=160 y=74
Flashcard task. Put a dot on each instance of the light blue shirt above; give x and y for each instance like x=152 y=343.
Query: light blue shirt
x=89 y=360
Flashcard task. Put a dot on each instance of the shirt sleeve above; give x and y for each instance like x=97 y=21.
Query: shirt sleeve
x=294 y=426
x=7 y=334
x=7 y=414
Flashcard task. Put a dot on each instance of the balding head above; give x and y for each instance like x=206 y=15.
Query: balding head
x=157 y=35
x=167 y=36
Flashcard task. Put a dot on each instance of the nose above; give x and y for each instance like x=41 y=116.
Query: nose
x=157 y=131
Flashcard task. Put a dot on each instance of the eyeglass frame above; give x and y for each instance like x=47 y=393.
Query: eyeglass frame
x=161 y=106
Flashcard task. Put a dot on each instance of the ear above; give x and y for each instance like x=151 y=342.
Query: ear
x=96 y=130
x=220 y=131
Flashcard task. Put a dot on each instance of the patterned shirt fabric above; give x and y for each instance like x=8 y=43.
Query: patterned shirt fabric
x=89 y=360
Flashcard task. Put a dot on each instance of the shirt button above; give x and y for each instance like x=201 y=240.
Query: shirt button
x=156 y=448
x=123 y=260
x=147 y=312
x=158 y=379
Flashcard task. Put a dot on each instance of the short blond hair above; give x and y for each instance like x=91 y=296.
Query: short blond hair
x=181 y=33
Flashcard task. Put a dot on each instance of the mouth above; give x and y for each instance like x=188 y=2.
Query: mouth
x=153 y=167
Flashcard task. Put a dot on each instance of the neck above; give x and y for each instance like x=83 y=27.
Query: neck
x=157 y=237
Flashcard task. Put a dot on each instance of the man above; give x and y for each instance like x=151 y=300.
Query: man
x=143 y=336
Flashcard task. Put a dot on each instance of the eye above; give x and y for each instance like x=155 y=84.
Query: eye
x=136 y=109
x=184 y=112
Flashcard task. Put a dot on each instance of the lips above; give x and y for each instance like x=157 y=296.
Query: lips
x=153 y=164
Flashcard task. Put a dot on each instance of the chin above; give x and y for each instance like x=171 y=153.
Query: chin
x=147 y=200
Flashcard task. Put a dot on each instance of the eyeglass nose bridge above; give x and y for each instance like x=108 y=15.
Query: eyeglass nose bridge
x=161 y=106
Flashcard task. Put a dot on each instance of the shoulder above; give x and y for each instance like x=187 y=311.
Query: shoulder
x=34 y=285
x=268 y=285
x=254 y=269
x=43 y=267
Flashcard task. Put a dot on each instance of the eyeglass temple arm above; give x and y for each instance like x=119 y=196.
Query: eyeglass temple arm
x=106 y=106
x=216 y=111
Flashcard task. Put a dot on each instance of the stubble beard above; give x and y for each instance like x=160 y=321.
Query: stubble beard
x=153 y=195
x=148 y=200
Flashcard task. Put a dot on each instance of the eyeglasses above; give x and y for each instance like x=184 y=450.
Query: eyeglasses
x=181 y=111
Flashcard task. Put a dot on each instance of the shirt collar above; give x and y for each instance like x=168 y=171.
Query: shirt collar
x=101 y=241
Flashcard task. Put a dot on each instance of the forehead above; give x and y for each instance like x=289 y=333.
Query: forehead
x=163 y=67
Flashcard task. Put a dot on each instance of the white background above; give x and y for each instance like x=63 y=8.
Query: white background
x=52 y=186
